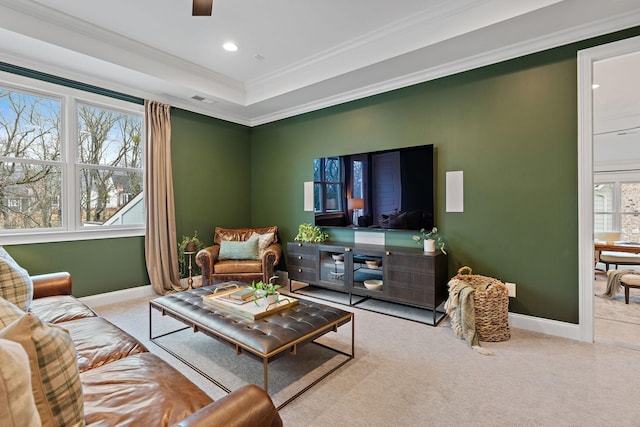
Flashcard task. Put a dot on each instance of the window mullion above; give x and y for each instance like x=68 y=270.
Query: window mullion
x=70 y=188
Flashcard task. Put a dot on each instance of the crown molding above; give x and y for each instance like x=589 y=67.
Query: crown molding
x=560 y=38
x=445 y=21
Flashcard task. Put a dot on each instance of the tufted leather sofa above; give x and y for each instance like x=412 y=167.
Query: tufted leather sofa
x=215 y=270
x=125 y=384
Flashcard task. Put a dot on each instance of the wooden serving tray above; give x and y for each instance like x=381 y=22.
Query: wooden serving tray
x=249 y=308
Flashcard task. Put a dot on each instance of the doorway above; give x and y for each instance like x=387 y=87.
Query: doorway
x=609 y=132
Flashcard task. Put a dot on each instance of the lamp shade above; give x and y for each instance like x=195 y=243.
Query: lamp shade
x=355 y=203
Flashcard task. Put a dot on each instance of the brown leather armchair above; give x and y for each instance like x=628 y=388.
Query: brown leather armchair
x=262 y=267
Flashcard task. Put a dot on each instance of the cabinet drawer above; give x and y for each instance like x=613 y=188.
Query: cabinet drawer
x=301 y=261
x=302 y=274
x=415 y=263
x=301 y=249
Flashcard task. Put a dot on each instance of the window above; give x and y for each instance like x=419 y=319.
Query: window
x=71 y=163
x=328 y=185
x=616 y=203
x=603 y=202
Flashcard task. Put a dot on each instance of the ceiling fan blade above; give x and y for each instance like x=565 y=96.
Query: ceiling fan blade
x=202 y=7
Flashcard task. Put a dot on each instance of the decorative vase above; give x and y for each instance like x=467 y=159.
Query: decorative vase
x=429 y=245
x=260 y=296
x=263 y=299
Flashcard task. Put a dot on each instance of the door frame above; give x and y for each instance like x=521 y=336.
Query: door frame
x=586 y=58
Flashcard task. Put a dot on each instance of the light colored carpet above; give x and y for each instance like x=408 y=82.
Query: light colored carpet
x=615 y=308
x=614 y=321
x=410 y=374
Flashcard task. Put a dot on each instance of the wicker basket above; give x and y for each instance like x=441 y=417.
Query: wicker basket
x=491 y=306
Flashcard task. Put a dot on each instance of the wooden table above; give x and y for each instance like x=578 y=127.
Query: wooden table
x=617 y=247
x=613 y=247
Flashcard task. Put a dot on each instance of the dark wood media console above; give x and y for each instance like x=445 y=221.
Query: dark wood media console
x=409 y=276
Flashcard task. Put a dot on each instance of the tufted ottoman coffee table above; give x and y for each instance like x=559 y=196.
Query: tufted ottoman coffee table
x=265 y=339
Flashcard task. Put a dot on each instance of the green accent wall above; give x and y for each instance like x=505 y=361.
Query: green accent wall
x=511 y=127
x=212 y=171
x=96 y=266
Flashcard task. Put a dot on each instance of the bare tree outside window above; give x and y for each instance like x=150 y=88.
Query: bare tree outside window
x=30 y=167
x=110 y=159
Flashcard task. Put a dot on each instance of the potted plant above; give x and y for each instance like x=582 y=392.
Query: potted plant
x=188 y=244
x=262 y=291
x=310 y=233
x=431 y=240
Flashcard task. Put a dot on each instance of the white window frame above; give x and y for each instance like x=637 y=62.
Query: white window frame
x=71 y=229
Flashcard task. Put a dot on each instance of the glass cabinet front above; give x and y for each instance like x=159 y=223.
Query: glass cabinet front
x=332 y=268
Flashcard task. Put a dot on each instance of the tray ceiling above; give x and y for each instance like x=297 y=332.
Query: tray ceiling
x=293 y=56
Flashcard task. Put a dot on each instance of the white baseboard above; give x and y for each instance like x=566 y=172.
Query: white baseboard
x=118 y=296
x=545 y=326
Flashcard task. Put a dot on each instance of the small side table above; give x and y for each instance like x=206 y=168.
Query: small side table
x=190 y=267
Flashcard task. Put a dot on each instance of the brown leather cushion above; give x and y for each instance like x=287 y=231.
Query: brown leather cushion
x=139 y=390
x=237 y=266
x=98 y=342
x=61 y=308
x=241 y=234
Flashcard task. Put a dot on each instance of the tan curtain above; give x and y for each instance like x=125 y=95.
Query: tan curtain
x=160 y=238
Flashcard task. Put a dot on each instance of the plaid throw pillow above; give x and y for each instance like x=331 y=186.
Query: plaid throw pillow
x=17 y=407
x=55 y=379
x=264 y=240
x=8 y=313
x=15 y=284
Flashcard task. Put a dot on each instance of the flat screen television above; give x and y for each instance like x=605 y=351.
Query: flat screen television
x=390 y=189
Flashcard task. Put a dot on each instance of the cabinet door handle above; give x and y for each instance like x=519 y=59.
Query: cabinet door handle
x=388 y=253
x=347 y=249
x=299 y=256
x=299 y=270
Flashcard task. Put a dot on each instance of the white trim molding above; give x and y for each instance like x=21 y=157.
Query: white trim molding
x=586 y=59
x=120 y=296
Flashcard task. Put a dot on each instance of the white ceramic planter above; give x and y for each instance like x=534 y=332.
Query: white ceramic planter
x=429 y=245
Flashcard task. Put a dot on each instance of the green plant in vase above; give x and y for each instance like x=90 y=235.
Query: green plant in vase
x=432 y=235
x=188 y=244
x=310 y=233
x=262 y=290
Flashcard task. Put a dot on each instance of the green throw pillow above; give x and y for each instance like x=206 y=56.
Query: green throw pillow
x=239 y=250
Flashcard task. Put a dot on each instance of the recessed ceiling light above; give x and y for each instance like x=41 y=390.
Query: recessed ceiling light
x=230 y=46
x=595 y=86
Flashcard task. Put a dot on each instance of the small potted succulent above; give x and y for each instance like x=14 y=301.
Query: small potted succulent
x=431 y=240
